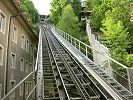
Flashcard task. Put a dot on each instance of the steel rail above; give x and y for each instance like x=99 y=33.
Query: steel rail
x=65 y=90
x=81 y=89
x=87 y=74
x=60 y=51
x=49 y=52
x=67 y=96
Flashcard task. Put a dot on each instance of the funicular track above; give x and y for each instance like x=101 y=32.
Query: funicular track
x=64 y=78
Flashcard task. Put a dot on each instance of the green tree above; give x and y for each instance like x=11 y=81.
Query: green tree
x=90 y=4
x=117 y=11
x=28 y=7
x=69 y=22
x=76 y=5
x=56 y=10
x=98 y=14
x=116 y=38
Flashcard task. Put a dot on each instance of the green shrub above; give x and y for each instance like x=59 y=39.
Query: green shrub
x=129 y=60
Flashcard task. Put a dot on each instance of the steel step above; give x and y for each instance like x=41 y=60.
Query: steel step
x=76 y=98
x=78 y=75
x=51 y=98
x=48 y=74
x=71 y=85
x=49 y=77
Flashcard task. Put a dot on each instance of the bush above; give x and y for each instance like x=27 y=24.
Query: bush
x=129 y=60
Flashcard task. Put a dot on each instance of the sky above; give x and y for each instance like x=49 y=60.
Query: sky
x=43 y=6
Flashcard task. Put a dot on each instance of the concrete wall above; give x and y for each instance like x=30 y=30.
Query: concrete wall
x=98 y=58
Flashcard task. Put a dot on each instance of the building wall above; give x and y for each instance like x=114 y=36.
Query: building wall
x=15 y=48
x=3 y=42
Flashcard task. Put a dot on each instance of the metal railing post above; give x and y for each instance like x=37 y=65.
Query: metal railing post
x=79 y=45
x=71 y=39
x=129 y=79
x=86 y=50
x=68 y=37
x=75 y=42
x=65 y=35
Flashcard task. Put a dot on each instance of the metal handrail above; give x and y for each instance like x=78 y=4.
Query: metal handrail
x=12 y=90
x=25 y=78
x=71 y=39
x=94 y=49
x=31 y=92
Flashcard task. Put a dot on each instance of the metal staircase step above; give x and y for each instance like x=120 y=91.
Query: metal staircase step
x=52 y=92
x=91 y=63
x=121 y=90
x=51 y=98
x=95 y=97
x=48 y=70
x=71 y=85
x=49 y=77
x=49 y=81
x=46 y=59
x=46 y=64
x=48 y=74
x=51 y=88
x=129 y=96
x=59 y=62
x=76 y=98
x=78 y=75
x=96 y=68
x=116 y=86
x=105 y=76
x=111 y=82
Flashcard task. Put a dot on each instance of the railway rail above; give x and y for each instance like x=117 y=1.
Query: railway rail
x=64 y=77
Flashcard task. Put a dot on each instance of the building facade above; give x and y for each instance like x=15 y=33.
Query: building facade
x=17 y=43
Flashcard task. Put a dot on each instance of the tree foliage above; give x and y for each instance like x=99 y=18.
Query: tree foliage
x=69 y=22
x=113 y=18
x=57 y=16
x=76 y=5
x=28 y=7
x=58 y=6
x=116 y=38
x=56 y=10
x=91 y=3
x=129 y=60
x=98 y=14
